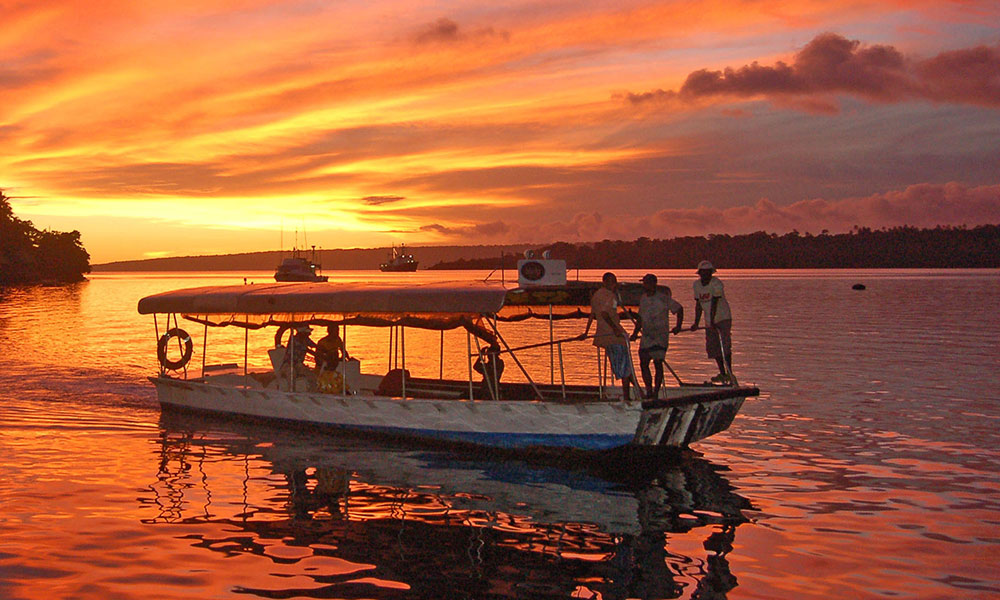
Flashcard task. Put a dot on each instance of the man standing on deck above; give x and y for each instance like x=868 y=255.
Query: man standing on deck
x=610 y=334
x=655 y=306
x=710 y=299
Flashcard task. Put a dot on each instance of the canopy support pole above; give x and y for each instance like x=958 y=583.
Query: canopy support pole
x=562 y=372
x=343 y=374
x=402 y=343
x=468 y=347
x=516 y=360
x=180 y=346
x=389 y=353
x=246 y=352
x=552 y=359
x=156 y=328
x=291 y=362
x=600 y=375
x=204 y=349
x=441 y=360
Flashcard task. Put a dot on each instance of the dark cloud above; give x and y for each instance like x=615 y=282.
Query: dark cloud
x=37 y=68
x=442 y=30
x=479 y=230
x=9 y=133
x=832 y=64
x=380 y=200
x=15 y=79
x=147 y=179
x=655 y=96
x=445 y=30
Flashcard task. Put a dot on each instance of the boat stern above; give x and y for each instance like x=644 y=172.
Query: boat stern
x=677 y=422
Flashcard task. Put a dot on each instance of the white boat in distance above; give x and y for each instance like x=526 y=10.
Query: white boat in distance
x=488 y=413
x=399 y=261
x=299 y=268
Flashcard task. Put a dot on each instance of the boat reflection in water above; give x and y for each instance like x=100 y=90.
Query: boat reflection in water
x=342 y=517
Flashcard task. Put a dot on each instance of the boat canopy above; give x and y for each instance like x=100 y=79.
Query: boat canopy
x=312 y=300
x=433 y=306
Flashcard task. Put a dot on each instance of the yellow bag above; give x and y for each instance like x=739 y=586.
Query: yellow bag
x=331 y=382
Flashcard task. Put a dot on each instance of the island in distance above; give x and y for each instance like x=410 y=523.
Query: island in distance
x=862 y=248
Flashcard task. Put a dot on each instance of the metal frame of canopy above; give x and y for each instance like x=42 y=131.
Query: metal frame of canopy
x=440 y=306
x=432 y=306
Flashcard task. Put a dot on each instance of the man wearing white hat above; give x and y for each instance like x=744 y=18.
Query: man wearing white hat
x=710 y=299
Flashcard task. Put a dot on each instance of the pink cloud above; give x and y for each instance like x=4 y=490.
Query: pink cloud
x=972 y=75
x=832 y=64
x=923 y=205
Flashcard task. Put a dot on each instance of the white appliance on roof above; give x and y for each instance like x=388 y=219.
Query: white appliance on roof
x=533 y=271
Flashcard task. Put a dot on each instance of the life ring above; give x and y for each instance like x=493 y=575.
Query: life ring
x=278 y=342
x=161 y=349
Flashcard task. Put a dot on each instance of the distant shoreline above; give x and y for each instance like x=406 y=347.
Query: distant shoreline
x=897 y=248
x=330 y=260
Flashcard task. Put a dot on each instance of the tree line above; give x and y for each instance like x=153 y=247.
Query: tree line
x=28 y=255
x=861 y=248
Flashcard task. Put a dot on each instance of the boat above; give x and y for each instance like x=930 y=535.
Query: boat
x=388 y=400
x=299 y=268
x=399 y=261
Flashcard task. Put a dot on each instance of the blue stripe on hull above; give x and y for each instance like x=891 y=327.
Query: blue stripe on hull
x=594 y=441
x=510 y=440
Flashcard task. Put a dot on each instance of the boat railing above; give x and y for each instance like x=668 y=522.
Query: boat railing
x=489 y=388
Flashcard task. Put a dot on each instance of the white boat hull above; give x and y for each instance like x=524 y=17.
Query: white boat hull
x=506 y=424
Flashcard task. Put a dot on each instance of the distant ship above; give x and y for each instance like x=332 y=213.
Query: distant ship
x=398 y=261
x=298 y=268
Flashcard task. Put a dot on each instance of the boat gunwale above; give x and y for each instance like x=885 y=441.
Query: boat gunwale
x=417 y=383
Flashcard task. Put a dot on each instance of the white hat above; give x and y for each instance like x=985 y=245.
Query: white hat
x=705 y=266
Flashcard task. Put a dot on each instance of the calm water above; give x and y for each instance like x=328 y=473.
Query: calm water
x=867 y=469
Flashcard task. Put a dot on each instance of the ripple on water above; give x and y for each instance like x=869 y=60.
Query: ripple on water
x=866 y=468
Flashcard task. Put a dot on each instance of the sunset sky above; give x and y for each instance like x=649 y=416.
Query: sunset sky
x=210 y=126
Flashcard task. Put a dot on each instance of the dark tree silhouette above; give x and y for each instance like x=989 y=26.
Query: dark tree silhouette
x=31 y=256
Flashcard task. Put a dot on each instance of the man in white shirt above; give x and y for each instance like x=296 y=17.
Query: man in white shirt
x=710 y=299
x=655 y=306
x=610 y=335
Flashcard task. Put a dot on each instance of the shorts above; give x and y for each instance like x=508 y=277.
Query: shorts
x=715 y=347
x=621 y=362
x=652 y=353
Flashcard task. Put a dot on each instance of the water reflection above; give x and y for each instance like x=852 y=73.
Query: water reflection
x=342 y=517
